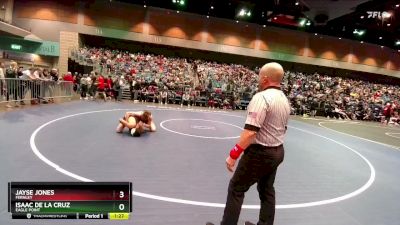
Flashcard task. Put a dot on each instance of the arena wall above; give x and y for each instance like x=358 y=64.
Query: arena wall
x=62 y=22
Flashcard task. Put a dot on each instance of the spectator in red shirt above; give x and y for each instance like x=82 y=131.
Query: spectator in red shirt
x=77 y=82
x=100 y=88
x=100 y=84
x=387 y=112
x=109 y=86
x=109 y=82
x=68 y=77
x=133 y=72
x=377 y=94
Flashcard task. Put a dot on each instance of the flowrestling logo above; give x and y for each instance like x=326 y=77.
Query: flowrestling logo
x=378 y=15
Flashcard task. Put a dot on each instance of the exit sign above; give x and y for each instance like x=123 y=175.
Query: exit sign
x=16 y=47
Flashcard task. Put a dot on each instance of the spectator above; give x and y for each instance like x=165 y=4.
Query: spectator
x=11 y=76
x=47 y=86
x=3 y=87
x=22 y=85
x=68 y=77
x=186 y=99
x=116 y=88
x=84 y=87
x=93 y=85
x=109 y=87
x=387 y=113
x=100 y=88
x=121 y=83
x=164 y=97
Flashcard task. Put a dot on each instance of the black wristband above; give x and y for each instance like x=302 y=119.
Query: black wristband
x=251 y=127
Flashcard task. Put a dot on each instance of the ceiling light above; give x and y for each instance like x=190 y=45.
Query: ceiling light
x=242 y=12
x=397 y=42
x=264 y=25
x=359 y=32
x=340 y=38
x=297 y=3
x=177 y=11
x=180 y=2
x=388 y=24
x=302 y=22
x=361 y=42
x=212 y=7
x=237 y=21
x=362 y=17
x=275 y=18
x=380 y=38
x=397 y=6
x=315 y=34
x=381 y=46
x=145 y=6
x=208 y=17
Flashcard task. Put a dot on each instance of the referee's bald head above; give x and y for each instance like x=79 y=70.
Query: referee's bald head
x=271 y=74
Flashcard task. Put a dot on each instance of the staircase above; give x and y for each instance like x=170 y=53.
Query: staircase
x=126 y=93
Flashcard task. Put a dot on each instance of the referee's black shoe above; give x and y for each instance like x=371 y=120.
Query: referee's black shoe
x=249 y=223
x=245 y=223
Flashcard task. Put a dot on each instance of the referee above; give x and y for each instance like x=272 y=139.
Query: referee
x=262 y=143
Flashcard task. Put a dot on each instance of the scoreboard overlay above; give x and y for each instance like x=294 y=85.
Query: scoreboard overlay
x=70 y=200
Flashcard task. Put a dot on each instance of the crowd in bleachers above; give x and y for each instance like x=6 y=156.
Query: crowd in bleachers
x=162 y=79
x=197 y=82
x=342 y=98
x=172 y=71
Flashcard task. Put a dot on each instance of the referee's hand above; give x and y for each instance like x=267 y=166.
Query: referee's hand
x=230 y=163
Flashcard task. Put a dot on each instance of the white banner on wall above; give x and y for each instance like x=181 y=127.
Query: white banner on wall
x=27 y=57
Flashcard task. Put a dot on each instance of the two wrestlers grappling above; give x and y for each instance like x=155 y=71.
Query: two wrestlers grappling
x=137 y=123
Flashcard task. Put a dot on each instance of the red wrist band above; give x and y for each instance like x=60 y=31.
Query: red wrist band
x=236 y=151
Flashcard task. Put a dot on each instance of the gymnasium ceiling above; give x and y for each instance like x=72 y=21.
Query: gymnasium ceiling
x=374 y=21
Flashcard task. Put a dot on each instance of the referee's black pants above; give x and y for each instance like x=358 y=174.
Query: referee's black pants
x=257 y=165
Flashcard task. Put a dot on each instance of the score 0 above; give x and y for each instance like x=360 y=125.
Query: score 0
x=121 y=196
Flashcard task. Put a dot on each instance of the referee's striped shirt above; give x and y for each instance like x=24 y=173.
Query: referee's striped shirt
x=268 y=114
